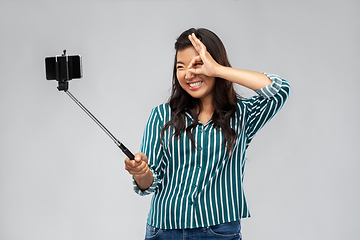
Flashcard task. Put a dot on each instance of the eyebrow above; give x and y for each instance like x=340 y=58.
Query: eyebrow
x=178 y=62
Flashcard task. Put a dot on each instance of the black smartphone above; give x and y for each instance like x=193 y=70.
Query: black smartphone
x=63 y=68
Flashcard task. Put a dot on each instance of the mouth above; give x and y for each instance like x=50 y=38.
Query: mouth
x=195 y=85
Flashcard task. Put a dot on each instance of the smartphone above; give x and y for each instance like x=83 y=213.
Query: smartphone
x=63 y=68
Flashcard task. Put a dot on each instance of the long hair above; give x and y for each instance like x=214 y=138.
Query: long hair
x=224 y=95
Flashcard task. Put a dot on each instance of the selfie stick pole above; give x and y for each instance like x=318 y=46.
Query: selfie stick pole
x=117 y=142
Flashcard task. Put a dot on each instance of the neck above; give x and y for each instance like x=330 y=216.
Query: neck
x=207 y=105
x=207 y=111
x=207 y=108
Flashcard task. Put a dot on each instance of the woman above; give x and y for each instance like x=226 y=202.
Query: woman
x=193 y=151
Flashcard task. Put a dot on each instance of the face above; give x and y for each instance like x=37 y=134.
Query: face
x=198 y=86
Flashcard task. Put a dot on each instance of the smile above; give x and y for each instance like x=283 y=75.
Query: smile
x=195 y=85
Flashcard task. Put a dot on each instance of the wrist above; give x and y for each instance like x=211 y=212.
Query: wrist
x=219 y=71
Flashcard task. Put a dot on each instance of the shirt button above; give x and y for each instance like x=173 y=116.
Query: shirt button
x=194 y=185
x=191 y=202
x=200 y=148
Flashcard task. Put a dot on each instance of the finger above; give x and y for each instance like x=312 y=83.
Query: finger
x=126 y=161
x=138 y=157
x=192 y=40
x=133 y=170
x=139 y=170
x=131 y=163
x=197 y=71
x=198 y=45
x=195 y=42
x=194 y=60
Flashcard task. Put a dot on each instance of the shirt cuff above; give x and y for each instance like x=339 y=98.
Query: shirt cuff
x=273 y=88
x=152 y=188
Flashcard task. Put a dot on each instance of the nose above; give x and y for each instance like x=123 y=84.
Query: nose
x=188 y=75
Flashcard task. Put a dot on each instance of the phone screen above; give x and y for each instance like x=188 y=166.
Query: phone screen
x=63 y=68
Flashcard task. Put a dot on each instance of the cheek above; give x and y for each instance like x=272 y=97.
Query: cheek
x=180 y=75
x=181 y=80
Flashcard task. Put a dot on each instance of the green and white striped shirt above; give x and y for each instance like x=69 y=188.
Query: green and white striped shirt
x=204 y=187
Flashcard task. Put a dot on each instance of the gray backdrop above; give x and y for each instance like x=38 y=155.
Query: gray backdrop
x=62 y=178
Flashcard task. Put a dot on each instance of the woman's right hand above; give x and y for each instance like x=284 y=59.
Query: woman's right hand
x=139 y=168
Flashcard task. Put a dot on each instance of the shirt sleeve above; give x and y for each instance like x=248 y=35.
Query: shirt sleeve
x=152 y=147
x=261 y=108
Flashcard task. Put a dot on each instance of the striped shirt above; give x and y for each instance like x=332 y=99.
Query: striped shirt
x=204 y=187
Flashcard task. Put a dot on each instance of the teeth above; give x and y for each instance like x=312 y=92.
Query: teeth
x=195 y=84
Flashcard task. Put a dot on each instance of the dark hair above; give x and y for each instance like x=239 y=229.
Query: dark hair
x=224 y=100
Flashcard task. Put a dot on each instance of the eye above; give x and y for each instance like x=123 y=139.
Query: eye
x=179 y=67
x=198 y=64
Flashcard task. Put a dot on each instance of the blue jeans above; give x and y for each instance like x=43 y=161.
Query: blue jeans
x=231 y=230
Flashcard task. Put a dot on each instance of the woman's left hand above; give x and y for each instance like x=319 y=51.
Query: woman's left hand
x=209 y=66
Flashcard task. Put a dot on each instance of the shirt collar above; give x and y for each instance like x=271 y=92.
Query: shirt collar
x=191 y=118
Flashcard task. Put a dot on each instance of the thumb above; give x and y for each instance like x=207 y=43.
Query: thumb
x=138 y=157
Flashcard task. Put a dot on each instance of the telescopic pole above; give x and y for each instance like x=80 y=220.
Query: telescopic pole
x=117 y=142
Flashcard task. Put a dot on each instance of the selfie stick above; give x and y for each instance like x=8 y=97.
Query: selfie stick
x=117 y=142
x=61 y=68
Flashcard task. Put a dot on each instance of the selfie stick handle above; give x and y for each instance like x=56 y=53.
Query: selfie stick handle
x=117 y=142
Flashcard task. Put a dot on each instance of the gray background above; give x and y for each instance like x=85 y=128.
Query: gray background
x=62 y=178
